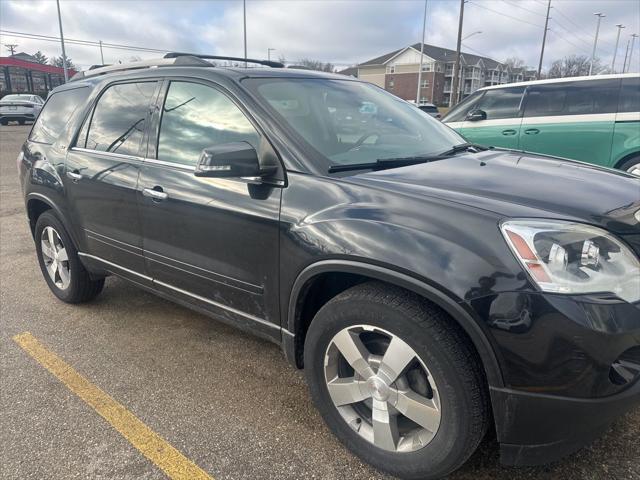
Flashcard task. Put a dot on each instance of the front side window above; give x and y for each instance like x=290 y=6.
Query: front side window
x=501 y=103
x=572 y=98
x=349 y=122
x=119 y=119
x=630 y=95
x=195 y=117
x=56 y=113
x=460 y=111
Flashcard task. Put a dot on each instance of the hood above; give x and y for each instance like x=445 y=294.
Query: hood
x=521 y=184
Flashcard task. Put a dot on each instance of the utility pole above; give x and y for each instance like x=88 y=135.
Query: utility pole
x=626 y=54
x=544 y=39
x=615 y=52
x=269 y=50
x=453 y=98
x=633 y=40
x=595 y=41
x=424 y=26
x=244 y=18
x=64 y=55
x=12 y=47
x=101 y=54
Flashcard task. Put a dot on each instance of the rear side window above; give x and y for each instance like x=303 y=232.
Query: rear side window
x=572 y=98
x=56 y=113
x=630 y=95
x=119 y=119
x=501 y=103
x=195 y=117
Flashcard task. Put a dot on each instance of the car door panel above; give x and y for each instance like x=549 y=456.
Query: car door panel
x=211 y=241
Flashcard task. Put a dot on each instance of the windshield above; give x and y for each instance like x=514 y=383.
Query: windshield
x=349 y=122
x=17 y=97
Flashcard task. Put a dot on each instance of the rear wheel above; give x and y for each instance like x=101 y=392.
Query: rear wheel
x=396 y=381
x=59 y=262
x=632 y=166
x=4 y=122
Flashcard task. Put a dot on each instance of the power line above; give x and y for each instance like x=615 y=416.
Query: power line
x=515 y=4
x=504 y=14
x=579 y=27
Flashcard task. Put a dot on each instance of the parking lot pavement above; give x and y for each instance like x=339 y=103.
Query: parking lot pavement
x=227 y=401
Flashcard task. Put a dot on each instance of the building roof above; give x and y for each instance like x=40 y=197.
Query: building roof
x=437 y=53
x=350 y=72
x=38 y=67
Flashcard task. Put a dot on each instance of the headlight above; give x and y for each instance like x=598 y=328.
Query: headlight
x=572 y=258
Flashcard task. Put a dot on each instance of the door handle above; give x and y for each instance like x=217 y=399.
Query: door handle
x=74 y=175
x=509 y=132
x=532 y=131
x=156 y=194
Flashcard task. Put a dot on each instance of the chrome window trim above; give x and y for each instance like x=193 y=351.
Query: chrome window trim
x=108 y=154
x=165 y=163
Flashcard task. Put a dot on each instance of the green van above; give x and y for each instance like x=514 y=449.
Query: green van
x=592 y=119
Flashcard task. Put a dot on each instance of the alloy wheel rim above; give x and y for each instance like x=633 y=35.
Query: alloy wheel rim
x=634 y=170
x=55 y=257
x=382 y=388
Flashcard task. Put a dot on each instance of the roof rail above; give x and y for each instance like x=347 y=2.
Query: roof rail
x=268 y=63
x=184 y=61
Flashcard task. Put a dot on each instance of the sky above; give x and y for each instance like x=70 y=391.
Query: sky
x=343 y=32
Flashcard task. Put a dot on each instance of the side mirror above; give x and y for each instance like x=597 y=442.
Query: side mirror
x=237 y=159
x=476 y=115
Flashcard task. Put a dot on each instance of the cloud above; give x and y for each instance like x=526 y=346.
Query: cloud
x=342 y=32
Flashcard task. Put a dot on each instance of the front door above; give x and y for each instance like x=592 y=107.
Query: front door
x=101 y=176
x=501 y=128
x=212 y=242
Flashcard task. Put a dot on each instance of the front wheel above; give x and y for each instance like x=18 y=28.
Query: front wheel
x=396 y=381
x=59 y=262
x=632 y=166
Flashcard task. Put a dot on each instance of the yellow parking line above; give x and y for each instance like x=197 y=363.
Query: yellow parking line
x=152 y=445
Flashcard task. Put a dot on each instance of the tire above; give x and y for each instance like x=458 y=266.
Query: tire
x=444 y=357
x=79 y=286
x=632 y=165
x=21 y=122
x=4 y=122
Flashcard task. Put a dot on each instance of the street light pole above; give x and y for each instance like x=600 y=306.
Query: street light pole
x=626 y=54
x=633 y=41
x=101 y=54
x=544 y=40
x=595 y=41
x=615 y=52
x=64 y=55
x=424 y=26
x=453 y=98
x=244 y=19
x=269 y=50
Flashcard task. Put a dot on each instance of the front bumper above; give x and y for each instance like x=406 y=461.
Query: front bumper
x=558 y=356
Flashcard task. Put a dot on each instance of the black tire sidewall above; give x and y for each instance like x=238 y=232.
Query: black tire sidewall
x=75 y=266
x=629 y=163
x=448 y=449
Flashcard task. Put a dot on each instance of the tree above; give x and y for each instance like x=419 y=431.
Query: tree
x=41 y=57
x=514 y=62
x=315 y=65
x=573 y=66
x=57 y=62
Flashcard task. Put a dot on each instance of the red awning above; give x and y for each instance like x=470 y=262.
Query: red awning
x=37 y=67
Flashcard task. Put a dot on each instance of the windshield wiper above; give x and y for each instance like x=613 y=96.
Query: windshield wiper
x=464 y=147
x=383 y=163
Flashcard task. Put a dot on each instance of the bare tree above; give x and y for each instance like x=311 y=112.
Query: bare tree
x=573 y=66
x=514 y=62
x=315 y=65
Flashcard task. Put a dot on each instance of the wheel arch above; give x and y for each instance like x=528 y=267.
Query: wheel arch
x=626 y=158
x=354 y=272
x=37 y=204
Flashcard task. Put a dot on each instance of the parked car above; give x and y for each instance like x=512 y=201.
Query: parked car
x=431 y=109
x=592 y=119
x=20 y=108
x=431 y=289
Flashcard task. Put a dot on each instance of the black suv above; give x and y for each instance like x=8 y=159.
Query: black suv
x=430 y=288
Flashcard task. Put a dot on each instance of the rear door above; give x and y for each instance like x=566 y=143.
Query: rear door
x=626 y=137
x=501 y=128
x=210 y=241
x=571 y=119
x=102 y=170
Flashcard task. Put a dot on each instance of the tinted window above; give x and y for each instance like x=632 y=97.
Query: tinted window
x=56 y=114
x=195 y=117
x=459 y=112
x=119 y=119
x=429 y=109
x=572 y=98
x=630 y=95
x=501 y=103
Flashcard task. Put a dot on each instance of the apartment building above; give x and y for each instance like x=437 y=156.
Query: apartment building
x=397 y=72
